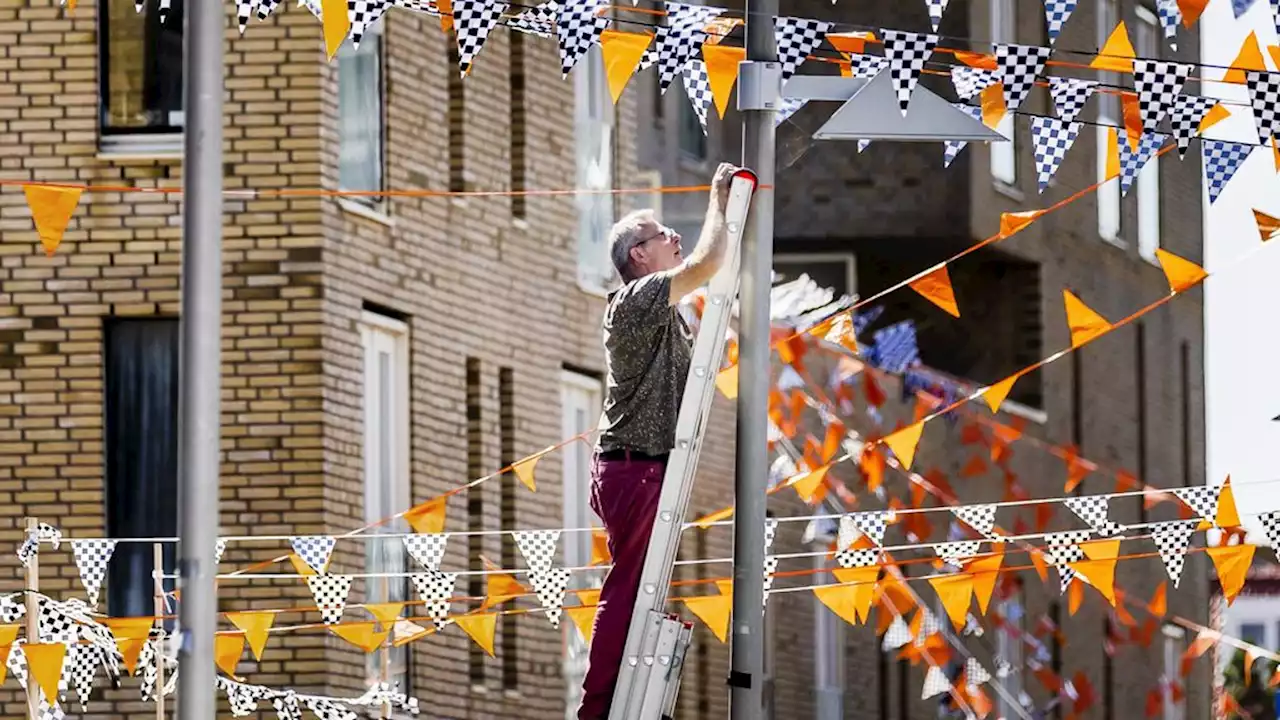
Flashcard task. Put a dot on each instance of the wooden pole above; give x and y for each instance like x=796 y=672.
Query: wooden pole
x=33 y=621
x=157 y=553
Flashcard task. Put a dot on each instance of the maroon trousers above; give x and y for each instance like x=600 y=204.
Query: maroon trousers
x=624 y=493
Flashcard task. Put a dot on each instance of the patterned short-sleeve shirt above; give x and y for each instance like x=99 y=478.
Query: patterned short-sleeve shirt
x=648 y=348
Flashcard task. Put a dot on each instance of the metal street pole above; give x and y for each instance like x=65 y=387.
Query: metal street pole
x=759 y=87
x=201 y=359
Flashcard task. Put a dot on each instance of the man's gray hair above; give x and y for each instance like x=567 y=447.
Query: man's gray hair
x=624 y=235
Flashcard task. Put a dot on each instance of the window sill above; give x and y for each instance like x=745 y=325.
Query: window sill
x=167 y=146
x=360 y=209
x=1115 y=241
x=1026 y=412
x=1008 y=190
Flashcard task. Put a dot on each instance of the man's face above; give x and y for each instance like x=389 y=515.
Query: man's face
x=658 y=250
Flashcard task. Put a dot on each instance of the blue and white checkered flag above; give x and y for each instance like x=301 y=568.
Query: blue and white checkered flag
x=1221 y=160
x=895 y=347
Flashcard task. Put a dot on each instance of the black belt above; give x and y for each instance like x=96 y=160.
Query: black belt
x=628 y=455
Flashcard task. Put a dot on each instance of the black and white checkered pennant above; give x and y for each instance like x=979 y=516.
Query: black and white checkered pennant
x=1056 y=13
x=10 y=609
x=472 y=21
x=856 y=558
x=436 y=590
x=363 y=14
x=1094 y=509
x=929 y=625
x=951 y=148
x=1017 y=66
x=935 y=683
x=675 y=43
x=770 y=532
x=329 y=710
x=1185 y=117
x=898 y=634
x=17 y=662
x=49 y=711
x=796 y=38
x=1051 y=138
x=330 y=593
x=240 y=698
x=265 y=8
x=979 y=517
x=83 y=662
x=538 y=548
x=1170 y=16
x=872 y=524
x=218 y=551
x=287 y=705
x=422 y=6
x=91 y=558
x=1271 y=526
x=1172 y=539
x=54 y=625
x=427 y=548
x=954 y=552
x=315 y=550
x=44 y=532
x=770 y=569
x=1070 y=95
x=539 y=20
x=1131 y=162
x=936 y=9
x=244 y=10
x=975 y=674
x=864 y=65
x=969 y=81
x=786 y=108
x=1221 y=160
x=313 y=6
x=972 y=626
x=1264 y=98
x=697 y=87
x=550 y=586
x=1201 y=498
x=907 y=53
x=578 y=27
x=1062 y=548
x=1158 y=82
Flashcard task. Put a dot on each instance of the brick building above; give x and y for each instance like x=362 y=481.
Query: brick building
x=859 y=222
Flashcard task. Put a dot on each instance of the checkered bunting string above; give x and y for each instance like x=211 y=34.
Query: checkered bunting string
x=50 y=534
x=846 y=533
x=423 y=6
x=1051 y=138
x=240 y=698
x=954 y=552
x=1094 y=510
x=898 y=634
x=539 y=20
x=951 y=148
x=856 y=558
x=218 y=551
x=1170 y=16
x=935 y=683
x=427 y=549
x=907 y=53
x=54 y=625
x=770 y=569
x=872 y=524
x=330 y=593
x=1131 y=163
x=48 y=711
x=17 y=662
x=973 y=627
x=165 y=6
x=244 y=10
x=1056 y=13
x=1202 y=499
x=315 y=550
x=287 y=705
x=329 y=710
x=1017 y=67
x=796 y=38
x=538 y=548
x=929 y=625
x=979 y=517
x=83 y=665
x=91 y=558
x=675 y=43
x=697 y=87
x=11 y=610
x=436 y=590
x=313 y=6
x=786 y=108
x=1171 y=539
x=28 y=550
x=1070 y=95
x=863 y=145
x=265 y=8
x=1271 y=526
x=970 y=81
x=936 y=9
x=550 y=587
x=1158 y=83
x=864 y=65
x=975 y=674
x=1063 y=548
x=472 y=21
x=895 y=348
x=1185 y=117
x=1264 y=98
x=579 y=26
x=363 y=14
x=1221 y=160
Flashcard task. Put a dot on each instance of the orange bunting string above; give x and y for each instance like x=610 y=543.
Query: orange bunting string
x=1268 y=226
x=584 y=619
x=903 y=443
x=1117 y=54
x=1232 y=563
x=954 y=592
x=1180 y=272
x=1249 y=58
x=727 y=382
x=227 y=649
x=363 y=635
x=713 y=611
x=480 y=628
x=428 y=517
x=935 y=286
x=255 y=626
x=51 y=209
x=524 y=471
x=1228 y=516
x=1085 y=324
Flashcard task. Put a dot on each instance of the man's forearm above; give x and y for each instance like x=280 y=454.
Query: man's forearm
x=711 y=242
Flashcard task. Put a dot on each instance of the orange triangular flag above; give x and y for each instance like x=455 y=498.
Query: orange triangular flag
x=724 y=587
x=1012 y=222
x=1248 y=664
x=385 y=613
x=584 y=619
x=256 y=626
x=1232 y=562
x=524 y=471
x=994 y=395
x=227 y=649
x=499 y=589
x=51 y=209
x=993 y=106
x=1131 y=109
x=976 y=59
x=985 y=572
x=1117 y=55
x=1180 y=272
x=1191 y=11
x=600 y=554
x=131 y=634
x=727 y=381
x=722 y=71
x=300 y=566
x=1075 y=597
x=622 y=52
x=428 y=517
x=1216 y=114
x=848 y=42
x=1085 y=324
x=446 y=18
x=480 y=628
x=1100 y=568
x=1249 y=58
x=1268 y=227
x=44 y=662
x=710 y=519
x=840 y=599
x=935 y=286
x=588 y=597
x=1159 y=604
x=1274 y=52
x=363 y=635
x=1228 y=516
x=903 y=443
x=719 y=29
x=1113 y=154
x=807 y=483
x=337 y=24
x=714 y=611
x=863 y=581
x=8 y=634
x=954 y=592
x=1275 y=152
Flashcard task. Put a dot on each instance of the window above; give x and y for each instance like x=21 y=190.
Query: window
x=1004 y=155
x=457 y=121
x=835 y=271
x=386 y=476
x=475 y=509
x=593 y=118
x=140 y=437
x=1173 y=640
x=693 y=139
x=580 y=412
x=1148 y=46
x=1108 y=195
x=1140 y=381
x=519 y=203
x=360 y=113
x=141 y=76
x=1255 y=633
x=1009 y=646
x=1077 y=410
x=507 y=510
x=828 y=644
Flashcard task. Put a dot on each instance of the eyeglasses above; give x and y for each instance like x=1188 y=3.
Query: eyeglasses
x=665 y=232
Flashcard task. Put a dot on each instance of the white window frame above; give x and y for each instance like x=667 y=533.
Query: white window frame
x=828 y=646
x=581 y=399
x=1110 y=217
x=385 y=452
x=1004 y=155
x=593 y=154
x=1147 y=45
x=1011 y=647
x=848 y=259
x=371 y=42
x=1174 y=637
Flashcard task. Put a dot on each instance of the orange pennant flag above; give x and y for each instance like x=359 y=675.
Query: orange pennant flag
x=714 y=611
x=1075 y=597
x=427 y=518
x=808 y=483
x=935 y=286
x=479 y=628
x=8 y=634
x=300 y=566
x=1012 y=222
x=337 y=24
x=985 y=572
x=227 y=649
x=954 y=592
x=1191 y=11
x=600 y=554
x=976 y=59
x=1268 y=227
x=1117 y=55
x=841 y=600
x=993 y=105
x=710 y=519
x=622 y=52
x=1085 y=324
x=1113 y=154
x=1248 y=664
x=1232 y=562
x=256 y=626
x=1180 y=272
x=903 y=443
x=385 y=613
x=724 y=587
x=524 y=471
x=727 y=382
x=863 y=581
x=363 y=635
x=719 y=29
x=499 y=589
x=584 y=619
x=588 y=597
x=1159 y=604
x=1100 y=568
x=446 y=18
x=1131 y=109
x=1275 y=152
x=722 y=72
x=131 y=634
x=1249 y=58
x=1274 y=52
x=1228 y=516
x=848 y=42
x=1216 y=114
x=994 y=395
x=51 y=209
x=44 y=662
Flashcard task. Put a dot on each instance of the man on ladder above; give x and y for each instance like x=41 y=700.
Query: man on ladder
x=648 y=350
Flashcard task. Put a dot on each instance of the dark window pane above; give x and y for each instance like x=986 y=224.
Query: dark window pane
x=141 y=68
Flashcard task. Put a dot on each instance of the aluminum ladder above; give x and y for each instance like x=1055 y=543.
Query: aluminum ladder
x=653 y=657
